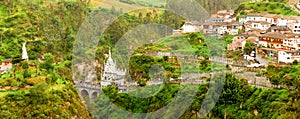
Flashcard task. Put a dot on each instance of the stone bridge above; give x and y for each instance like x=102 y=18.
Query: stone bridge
x=88 y=90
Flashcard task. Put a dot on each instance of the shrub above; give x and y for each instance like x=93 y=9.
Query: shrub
x=34 y=81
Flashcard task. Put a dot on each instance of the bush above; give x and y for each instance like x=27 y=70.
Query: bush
x=34 y=81
x=26 y=74
x=295 y=62
x=15 y=83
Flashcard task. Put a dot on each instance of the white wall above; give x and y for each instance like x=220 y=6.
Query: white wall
x=284 y=57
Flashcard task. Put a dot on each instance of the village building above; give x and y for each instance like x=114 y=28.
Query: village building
x=221 y=28
x=189 y=27
x=292 y=42
x=6 y=66
x=225 y=14
x=280 y=29
x=231 y=28
x=239 y=42
x=272 y=40
x=285 y=20
x=209 y=28
x=112 y=75
x=257 y=25
x=295 y=27
x=215 y=20
x=288 y=56
x=260 y=17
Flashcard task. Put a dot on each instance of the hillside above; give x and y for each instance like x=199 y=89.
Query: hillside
x=265 y=7
x=238 y=100
x=127 y=5
x=109 y=4
x=41 y=87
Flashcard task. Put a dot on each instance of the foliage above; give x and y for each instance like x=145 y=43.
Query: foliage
x=39 y=102
x=265 y=7
x=238 y=100
x=249 y=47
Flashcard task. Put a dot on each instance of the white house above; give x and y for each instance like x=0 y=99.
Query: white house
x=257 y=25
x=189 y=27
x=192 y=26
x=292 y=42
x=285 y=20
x=6 y=66
x=258 y=17
x=295 y=27
x=286 y=56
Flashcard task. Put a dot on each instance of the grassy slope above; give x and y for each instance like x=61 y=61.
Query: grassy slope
x=151 y=2
x=266 y=7
x=107 y=4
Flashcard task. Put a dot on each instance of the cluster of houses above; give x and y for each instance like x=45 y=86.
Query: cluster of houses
x=6 y=66
x=219 y=24
x=275 y=35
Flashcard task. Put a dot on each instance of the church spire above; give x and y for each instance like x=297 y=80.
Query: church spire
x=109 y=54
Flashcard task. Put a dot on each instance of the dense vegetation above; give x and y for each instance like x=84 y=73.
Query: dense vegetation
x=212 y=6
x=147 y=3
x=41 y=87
x=265 y=7
x=237 y=100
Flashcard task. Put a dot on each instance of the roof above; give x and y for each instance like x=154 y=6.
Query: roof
x=274 y=35
x=194 y=23
x=8 y=60
x=288 y=51
x=264 y=15
x=214 y=15
x=214 y=19
x=261 y=22
x=281 y=28
x=291 y=17
x=292 y=35
x=255 y=14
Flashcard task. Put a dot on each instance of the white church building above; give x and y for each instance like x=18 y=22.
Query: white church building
x=112 y=74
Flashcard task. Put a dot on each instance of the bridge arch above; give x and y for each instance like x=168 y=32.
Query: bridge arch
x=84 y=93
x=94 y=95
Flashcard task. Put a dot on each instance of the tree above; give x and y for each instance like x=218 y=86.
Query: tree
x=48 y=62
x=295 y=62
x=249 y=47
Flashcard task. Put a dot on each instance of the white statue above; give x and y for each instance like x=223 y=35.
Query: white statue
x=24 y=52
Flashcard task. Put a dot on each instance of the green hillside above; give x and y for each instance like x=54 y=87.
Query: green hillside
x=212 y=6
x=237 y=100
x=146 y=3
x=265 y=7
x=41 y=87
